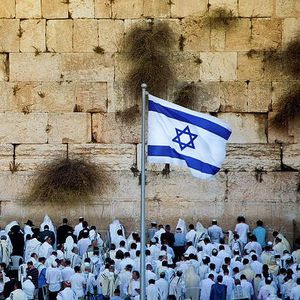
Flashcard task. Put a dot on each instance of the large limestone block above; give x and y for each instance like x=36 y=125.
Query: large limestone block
x=82 y=8
x=91 y=96
x=127 y=9
x=7 y=9
x=60 y=35
x=4 y=76
x=102 y=9
x=280 y=187
x=180 y=9
x=218 y=66
x=248 y=157
x=87 y=67
x=217 y=39
x=44 y=97
x=6 y=156
x=28 y=67
x=258 y=8
x=246 y=128
x=107 y=157
x=54 y=9
x=33 y=36
x=111 y=34
x=290 y=30
x=70 y=128
x=17 y=128
x=259 y=96
x=287 y=8
x=227 y=4
x=196 y=34
x=33 y=157
x=6 y=94
x=27 y=9
x=157 y=9
x=291 y=156
x=109 y=129
x=266 y=33
x=85 y=36
x=238 y=36
x=9 y=40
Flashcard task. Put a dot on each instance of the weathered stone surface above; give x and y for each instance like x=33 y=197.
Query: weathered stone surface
x=9 y=40
x=111 y=34
x=7 y=9
x=217 y=39
x=28 y=67
x=266 y=33
x=54 y=9
x=258 y=8
x=85 y=36
x=44 y=97
x=227 y=4
x=280 y=187
x=287 y=8
x=33 y=35
x=4 y=67
x=109 y=129
x=102 y=9
x=291 y=156
x=248 y=157
x=33 y=157
x=123 y=9
x=196 y=34
x=246 y=128
x=258 y=96
x=6 y=156
x=290 y=30
x=91 y=96
x=6 y=93
x=17 y=128
x=181 y=9
x=214 y=63
x=82 y=8
x=70 y=128
x=87 y=67
x=26 y=9
x=157 y=8
x=107 y=157
x=238 y=36
x=60 y=35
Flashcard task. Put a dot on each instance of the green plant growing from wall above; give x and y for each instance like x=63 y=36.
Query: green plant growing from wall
x=68 y=181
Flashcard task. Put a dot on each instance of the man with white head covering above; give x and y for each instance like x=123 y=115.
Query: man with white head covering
x=124 y=278
x=191 y=283
x=215 y=232
x=266 y=289
x=5 y=249
x=17 y=293
x=28 y=288
x=286 y=243
x=54 y=280
x=158 y=233
x=295 y=292
x=28 y=228
x=78 y=227
x=45 y=250
x=67 y=293
x=32 y=245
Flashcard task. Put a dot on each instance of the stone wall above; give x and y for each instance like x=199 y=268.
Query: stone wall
x=48 y=67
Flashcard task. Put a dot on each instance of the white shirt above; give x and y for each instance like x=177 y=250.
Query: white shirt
x=17 y=295
x=295 y=293
x=152 y=292
x=163 y=288
x=28 y=288
x=66 y=294
x=229 y=282
x=54 y=279
x=45 y=250
x=242 y=229
x=77 y=229
x=256 y=266
x=190 y=236
x=247 y=286
x=215 y=233
x=83 y=245
x=77 y=284
x=205 y=287
x=66 y=273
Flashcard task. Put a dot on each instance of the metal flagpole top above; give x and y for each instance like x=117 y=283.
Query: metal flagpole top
x=144 y=85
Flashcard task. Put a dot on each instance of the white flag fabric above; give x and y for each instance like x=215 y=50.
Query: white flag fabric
x=184 y=137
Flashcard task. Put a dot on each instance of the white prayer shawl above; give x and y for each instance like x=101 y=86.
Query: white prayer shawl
x=177 y=288
x=28 y=288
x=107 y=283
x=279 y=248
x=17 y=295
x=5 y=251
x=152 y=292
x=296 y=256
x=123 y=281
x=181 y=224
x=45 y=250
x=27 y=230
x=95 y=237
x=229 y=282
x=75 y=260
x=68 y=246
x=67 y=273
x=32 y=246
x=149 y=275
x=113 y=228
x=158 y=234
x=66 y=294
x=205 y=288
x=47 y=221
x=192 y=281
x=10 y=225
x=190 y=236
x=201 y=233
x=77 y=229
x=284 y=241
x=77 y=284
x=163 y=288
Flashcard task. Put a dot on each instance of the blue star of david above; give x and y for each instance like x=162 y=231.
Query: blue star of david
x=185 y=131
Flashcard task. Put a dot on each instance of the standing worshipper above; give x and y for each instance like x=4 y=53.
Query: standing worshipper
x=18 y=293
x=63 y=232
x=134 y=285
x=191 y=235
x=242 y=229
x=168 y=237
x=152 y=230
x=295 y=292
x=5 y=249
x=261 y=233
x=67 y=293
x=179 y=244
x=152 y=290
x=177 y=286
x=28 y=228
x=78 y=284
x=17 y=240
x=229 y=282
x=205 y=287
x=218 y=290
x=78 y=227
x=163 y=286
x=28 y=288
x=215 y=232
x=54 y=280
x=238 y=292
x=191 y=283
x=47 y=233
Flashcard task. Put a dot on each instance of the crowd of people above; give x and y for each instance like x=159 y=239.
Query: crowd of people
x=190 y=263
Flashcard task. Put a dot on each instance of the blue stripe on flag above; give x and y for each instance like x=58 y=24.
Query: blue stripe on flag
x=191 y=119
x=192 y=163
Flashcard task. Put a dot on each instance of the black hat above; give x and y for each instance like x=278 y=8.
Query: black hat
x=29 y=222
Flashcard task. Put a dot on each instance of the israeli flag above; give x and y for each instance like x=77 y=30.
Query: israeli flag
x=184 y=137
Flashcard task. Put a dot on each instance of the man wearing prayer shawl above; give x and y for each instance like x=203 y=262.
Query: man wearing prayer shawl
x=5 y=249
x=192 y=282
x=218 y=290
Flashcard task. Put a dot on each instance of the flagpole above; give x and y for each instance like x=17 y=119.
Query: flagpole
x=143 y=204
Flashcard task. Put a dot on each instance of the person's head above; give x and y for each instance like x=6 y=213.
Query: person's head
x=85 y=224
x=77 y=269
x=117 y=292
x=171 y=297
x=259 y=223
x=237 y=282
x=138 y=253
x=168 y=228
x=65 y=221
x=48 y=239
x=122 y=244
x=81 y=219
x=254 y=257
x=245 y=261
x=120 y=254
x=135 y=275
x=275 y=233
x=225 y=271
x=111 y=268
x=211 y=276
x=119 y=232
x=128 y=268
x=240 y=219
x=227 y=260
x=46 y=227
x=191 y=227
x=162 y=275
x=236 y=236
x=214 y=252
x=206 y=241
x=17 y=285
x=235 y=270
x=42 y=260
x=149 y=267
x=133 y=246
x=126 y=254
x=153 y=224
x=151 y=281
x=243 y=277
x=214 y=222
x=30 y=265
x=268 y=280
x=164 y=263
x=147 y=252
x=212 y=266
x=189 y=243
x=219 y=278
x=221 y=247
x=112 y=247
